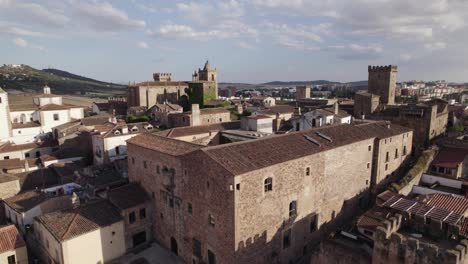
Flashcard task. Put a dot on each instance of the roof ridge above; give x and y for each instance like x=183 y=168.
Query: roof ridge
x=69 y=225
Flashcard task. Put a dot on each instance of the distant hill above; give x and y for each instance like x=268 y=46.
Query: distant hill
x=28 y=79
x=295 y=83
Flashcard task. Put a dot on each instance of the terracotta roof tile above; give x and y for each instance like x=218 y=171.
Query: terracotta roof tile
x=67 y=224
x=8 y=147
x=168 y=146
x=195 y=130
x=10 y=239
x=128 y=196
x=449 y=202
x=450 y=157
x=24 y=202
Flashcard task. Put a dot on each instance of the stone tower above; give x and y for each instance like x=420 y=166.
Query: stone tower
x=302 y=92
x=382 y=82
x=207 y=74
x=5 y=123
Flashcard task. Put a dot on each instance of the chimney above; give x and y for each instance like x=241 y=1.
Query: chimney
x=112 y=118
x=75 y=200
x=196 y=115
x=336 y=108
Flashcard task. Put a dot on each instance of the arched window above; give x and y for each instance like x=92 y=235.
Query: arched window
x=268 y=184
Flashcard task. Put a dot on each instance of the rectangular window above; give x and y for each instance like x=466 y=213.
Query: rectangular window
x=369 y=148
x=238 y=186
x=292 y=208
x=189 y=208
x=404 y=150
x=308 y=171
x=131 y=217
x=387 y=157
x=211 y=257
x=196 y=247
x=56 y=117
x=142 y=213
x=386 y=166
x=6 y=157
x=26 y=155
x=117 y=150
x=368 y=165
x=396 y=153
x=287 y=238
x=12 y=259
x=38 y=154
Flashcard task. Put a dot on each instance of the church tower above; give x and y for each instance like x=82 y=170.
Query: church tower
x=5 y=123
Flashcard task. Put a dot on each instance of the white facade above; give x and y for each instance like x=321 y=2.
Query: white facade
x=28 y=125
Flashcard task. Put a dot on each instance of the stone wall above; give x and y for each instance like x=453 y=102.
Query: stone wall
x=382 y=82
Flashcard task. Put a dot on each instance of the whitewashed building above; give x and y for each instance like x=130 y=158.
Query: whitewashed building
x=321 y=117
x=26 y=123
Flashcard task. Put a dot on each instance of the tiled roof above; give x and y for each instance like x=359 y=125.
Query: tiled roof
x=22 y=107
x=450 y=157
x=25 y=125
x=95 y=120
x=259 y=117
x=195 y=130
x=9 y=147
x=251 y=155
x=209 y=111
x=167 y=107
x=273 y=110
x=7 y=178
x=102 y=106
x=10 y=239
x=54 y=107
x=25 y=201
x=127 y=196
x=168 y=146
x=449 y=202
x=42 y=178
x=372 y=218
x=383 y=129
x=68 y=224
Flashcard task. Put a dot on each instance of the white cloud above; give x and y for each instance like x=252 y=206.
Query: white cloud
x=244 y=45
x=105 y=17
x=355 y=51
x=406 y=57
x=20 y=42
x=296 y=44
x=176 y=31
x=435 y=46
x=211 y=11
x=32 y=13
x=143 y=45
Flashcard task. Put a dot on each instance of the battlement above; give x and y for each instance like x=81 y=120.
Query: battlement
x=394 y=240
x=162 y=76
x=388 y=68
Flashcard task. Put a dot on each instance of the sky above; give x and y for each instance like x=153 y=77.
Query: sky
x=250 y=41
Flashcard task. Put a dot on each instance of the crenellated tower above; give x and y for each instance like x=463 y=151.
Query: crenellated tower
x=382 y=82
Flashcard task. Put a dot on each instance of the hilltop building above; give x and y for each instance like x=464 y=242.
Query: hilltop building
x=26 y=123
x=262 y=199
x=202 y=88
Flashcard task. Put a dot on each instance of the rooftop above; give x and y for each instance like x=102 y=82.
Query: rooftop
x=127 y=196
x=25 y=201
x=196 y=130
x=162 y=84
x=10 y=239
x=9 y=147
x=450 y=157
x=68 y=224
x=168 y=146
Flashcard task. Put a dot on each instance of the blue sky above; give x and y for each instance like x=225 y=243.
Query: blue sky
x=247 y=40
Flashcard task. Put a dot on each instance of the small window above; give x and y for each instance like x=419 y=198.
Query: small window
x=268 y=184
x=396 y=153
x=38 y=154
x=238 y=186
x=142 y=213
x=117 y=150
x=189 y=208
x=196 y=247
x=12 y=259
x=387 y=157
x=19 y=131
x=211 y=220
x=404 y=150
x=145 y=165
x=369 y=148
x=367 y=182
x=6 y=157
x=286 y=238
x=386 y=166
x=131 y=217
x=308 y=171
x=27 y=155
x=56 y=117
x=292 y=208
x=368 y=165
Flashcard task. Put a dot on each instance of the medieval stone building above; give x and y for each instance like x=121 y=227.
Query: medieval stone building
x=264 y=200
x=382 y=82
x=203 y=87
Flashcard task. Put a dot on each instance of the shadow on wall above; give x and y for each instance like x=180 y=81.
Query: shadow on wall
x=295 y=240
